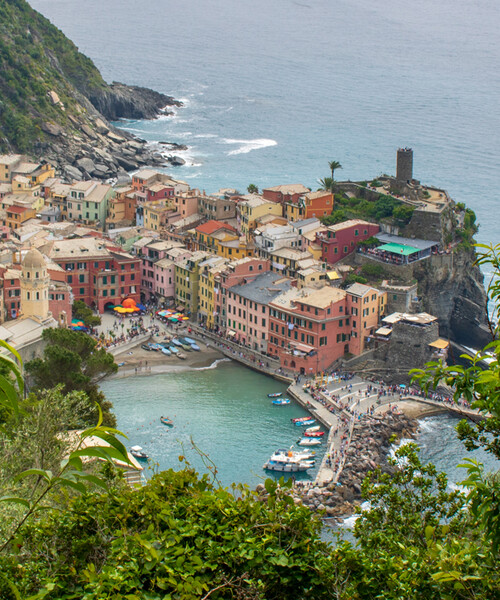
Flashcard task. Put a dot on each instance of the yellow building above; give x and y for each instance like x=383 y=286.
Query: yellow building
x=206 y=305
x=236 y=248
x=252 y=207
x=156 y=213
x=209 y=235
x=187 y=277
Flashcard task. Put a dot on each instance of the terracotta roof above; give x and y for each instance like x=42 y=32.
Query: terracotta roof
x=212 y=226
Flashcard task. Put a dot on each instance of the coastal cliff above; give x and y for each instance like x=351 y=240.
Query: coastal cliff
x=54 y=103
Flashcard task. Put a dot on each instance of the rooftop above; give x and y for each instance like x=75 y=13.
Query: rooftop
x=289 y=188
x=417 y=319
x=318 y=298
x=264 y=288
x=145 y=174
x=9 y=159
x=415 y=243
x=360 y=290
x=211 y=227
x=347 y=224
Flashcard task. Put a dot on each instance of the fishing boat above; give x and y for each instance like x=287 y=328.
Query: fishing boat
x=174 y=350
x=176 y=342
x=167 y=421
x=315 y=428
x=305 y=423
x=195 y=347
x=181 y=356
x=275 y=395
x=307 y=441
x=281 y=401
x=288 y=464
x=314 y=434
x=298 y=419
x=190 y=340
x=138 y=452
x=166 y=351
x=185 y=346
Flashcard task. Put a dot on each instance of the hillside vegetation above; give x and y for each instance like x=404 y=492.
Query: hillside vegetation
x=37 y=58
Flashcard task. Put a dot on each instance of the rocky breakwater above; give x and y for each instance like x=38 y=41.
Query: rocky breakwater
x=368 y=450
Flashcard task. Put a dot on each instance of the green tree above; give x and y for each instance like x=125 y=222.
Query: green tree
x=71 y=358
x=334 y=165
x=252 y=189
x=82 y=312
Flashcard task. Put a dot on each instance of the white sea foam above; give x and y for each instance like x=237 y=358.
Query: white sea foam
x=214 y=365
x=249 y=145
x=205 y=135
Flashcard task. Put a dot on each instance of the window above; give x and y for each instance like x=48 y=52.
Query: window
x=104 y=293
x=112 y=292
x=70 y=278
x=82 y=291
x=105 y=280
x=81 y=278
x=323 y=326
x=263 y=322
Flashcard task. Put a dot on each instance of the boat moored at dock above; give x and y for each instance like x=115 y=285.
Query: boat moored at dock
x=275 y=395
x=281 y=401
x=314 y=434
x=308 y=441
x=305 y=423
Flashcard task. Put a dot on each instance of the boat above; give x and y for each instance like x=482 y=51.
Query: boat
x=281 y=401
x=173 y=350
x=195 y=347
x=121 y=364
x=315 y=428
x=275 y=395
x=166 y=351
x=303 y=454
x=314 y=434
x=181 y=356
x=185 y=346
x=189 y=340
x=307 y=441
x=305 y=423
x=288 y=464
x=167 y=421
x=298 y=419
x=138 y=452
x=176 y=342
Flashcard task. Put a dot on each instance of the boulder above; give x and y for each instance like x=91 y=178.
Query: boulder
x=86 y=164
x=52 y=128
x=72 y=172
x=176 y=161
x=126 y=163
x=88 y=132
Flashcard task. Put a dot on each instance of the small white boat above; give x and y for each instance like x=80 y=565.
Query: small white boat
x=307 y=441
x=138 y=452
x=302 y=454
x=312 y=429
x=288 y=464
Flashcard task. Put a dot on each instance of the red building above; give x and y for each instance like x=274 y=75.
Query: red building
x=99 y=274
x=285 y=193
x=309 y=328
x=340 y=240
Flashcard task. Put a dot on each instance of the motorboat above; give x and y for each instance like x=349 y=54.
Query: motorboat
x=302 y=454
x=138 y=452
x=189 y=340
x=181 y=356
x=275 y=395
x=174 y=350
x=288 y=464
x=307 y=441
x=298 y=419
x=314 y=434
x=166 y=351
x=195 y=347
x=305 y=423
x=281 y=401
x=167 y=421
x=177 y=342
x=315 y=428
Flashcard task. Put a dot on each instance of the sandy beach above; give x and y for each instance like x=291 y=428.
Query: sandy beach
x=138 y=361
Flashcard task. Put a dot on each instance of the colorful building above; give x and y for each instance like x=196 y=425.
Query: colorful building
x=288 y=193
x=88 y=202
x=251 y=207
x=365 y=305
x=309 y=329
x=207 y=236
x=340 y=240
x=313 y=204
x=209 y=269
x=187 y=277
x=248 y=308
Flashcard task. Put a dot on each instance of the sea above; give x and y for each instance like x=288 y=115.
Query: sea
x=271 y=92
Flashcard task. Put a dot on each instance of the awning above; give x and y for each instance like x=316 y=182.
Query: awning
x=333 y=275
x=302 y=347
x=384 y=331
x=400 y=249
x=440 y=343
x=231 y=333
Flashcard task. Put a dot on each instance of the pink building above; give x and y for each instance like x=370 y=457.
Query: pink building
x=248 y=308
x=340 y=240
x=153 y=277
x=164 y=279
x=244 y=269
x=186 y=203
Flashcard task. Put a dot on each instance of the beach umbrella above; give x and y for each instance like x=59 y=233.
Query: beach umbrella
x=77 y=323
x=174 y=320
x=141 y=307
x=185 y=318
x=120 y=310
x=128 y=303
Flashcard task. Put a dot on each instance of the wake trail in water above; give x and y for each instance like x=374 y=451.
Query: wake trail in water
x=214 y=365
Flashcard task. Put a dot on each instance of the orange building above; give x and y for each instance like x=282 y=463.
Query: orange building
x=313 y=204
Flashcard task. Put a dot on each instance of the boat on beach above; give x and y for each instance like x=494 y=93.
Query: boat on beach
x=307 y=441
x=189 y=340
x=166 y=421
x=281 y=401
x=174 y=350
x=181 y=356
x=138 y=452
x=177 y=342
x=314 y=434
x=166 y=351
x=275 y=395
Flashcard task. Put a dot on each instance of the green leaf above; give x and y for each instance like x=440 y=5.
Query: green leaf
x=15 y=500
x=47 y=475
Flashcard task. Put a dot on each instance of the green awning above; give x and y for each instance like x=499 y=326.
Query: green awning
x=399 y=249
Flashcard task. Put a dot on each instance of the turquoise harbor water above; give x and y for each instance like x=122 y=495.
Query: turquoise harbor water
x=225 y=410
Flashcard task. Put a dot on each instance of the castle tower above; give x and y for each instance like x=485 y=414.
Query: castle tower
x=404 y=165
x=34 y=282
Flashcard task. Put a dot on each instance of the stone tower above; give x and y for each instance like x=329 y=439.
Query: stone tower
x=35 y=282
x=404 y=165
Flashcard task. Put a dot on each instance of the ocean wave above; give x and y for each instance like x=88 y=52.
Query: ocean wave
x=249 y=145
x=205 y=135
x=214 y=365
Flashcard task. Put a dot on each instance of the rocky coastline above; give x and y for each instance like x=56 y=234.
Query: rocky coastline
x=368 y=450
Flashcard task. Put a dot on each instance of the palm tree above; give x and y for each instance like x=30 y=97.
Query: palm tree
x=326 y=183
x=334 y=164
x=252 y=189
